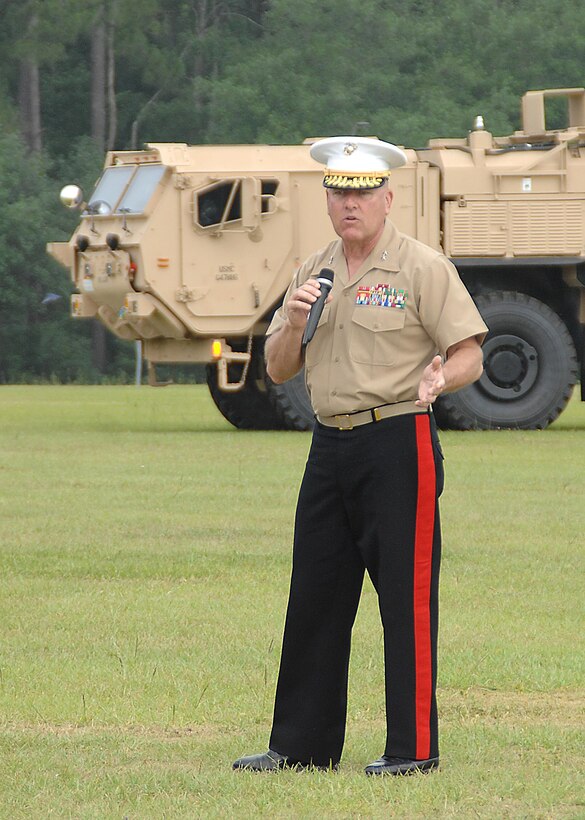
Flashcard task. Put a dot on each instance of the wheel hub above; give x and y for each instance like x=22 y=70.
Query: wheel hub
x=510 y=367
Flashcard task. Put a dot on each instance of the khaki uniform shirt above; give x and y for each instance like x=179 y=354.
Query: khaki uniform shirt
x=382 y=328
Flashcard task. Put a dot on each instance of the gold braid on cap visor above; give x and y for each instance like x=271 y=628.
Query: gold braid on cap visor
x=363 y=179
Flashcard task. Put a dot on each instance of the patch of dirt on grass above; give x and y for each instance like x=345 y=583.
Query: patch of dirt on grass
x=203 y=732
x=563 y=709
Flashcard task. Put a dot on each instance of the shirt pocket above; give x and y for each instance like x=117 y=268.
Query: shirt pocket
x=375 y=334
x=316 y=347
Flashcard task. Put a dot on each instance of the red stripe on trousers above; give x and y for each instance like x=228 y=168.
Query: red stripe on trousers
x=423 y=554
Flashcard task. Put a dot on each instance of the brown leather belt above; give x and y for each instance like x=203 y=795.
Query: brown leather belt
x=347 y=421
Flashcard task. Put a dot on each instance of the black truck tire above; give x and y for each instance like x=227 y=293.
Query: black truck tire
x=530 y=369
x=291 y=402
x=251 y=407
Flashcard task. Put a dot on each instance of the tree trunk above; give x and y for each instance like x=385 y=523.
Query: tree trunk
x=98 y=81
x=111 y=78
x=29 y=95
x=104 y=114
x=204 y=19
x=103 y=129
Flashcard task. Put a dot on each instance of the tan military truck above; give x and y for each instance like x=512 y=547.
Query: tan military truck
x=190 y=250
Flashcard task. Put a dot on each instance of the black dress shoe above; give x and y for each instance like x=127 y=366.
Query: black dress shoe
x=272 y=762
x=401 y=765
x=267 y=762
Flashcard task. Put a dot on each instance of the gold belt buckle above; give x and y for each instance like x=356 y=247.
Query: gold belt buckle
x=344 y=422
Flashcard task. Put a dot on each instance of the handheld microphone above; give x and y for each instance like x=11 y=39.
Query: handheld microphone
x=325 y=280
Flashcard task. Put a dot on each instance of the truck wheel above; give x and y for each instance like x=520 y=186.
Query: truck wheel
x=291 y=401
x=251 y=407
x=530 y=368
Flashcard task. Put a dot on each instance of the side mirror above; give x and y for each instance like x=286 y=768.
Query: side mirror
x=71 y=196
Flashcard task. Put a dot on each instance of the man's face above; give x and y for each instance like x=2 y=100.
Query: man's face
x=358 y=215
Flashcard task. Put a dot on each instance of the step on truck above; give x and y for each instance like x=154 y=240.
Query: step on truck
x=190 y=249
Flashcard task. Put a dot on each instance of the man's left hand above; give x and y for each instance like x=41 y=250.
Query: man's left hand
x=432 y=383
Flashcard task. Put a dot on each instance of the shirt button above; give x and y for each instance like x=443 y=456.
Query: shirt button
x=334 y=392
x=336 y=359
x=341 y=326
x=376 y=326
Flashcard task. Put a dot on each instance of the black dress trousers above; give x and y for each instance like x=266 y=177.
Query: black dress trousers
x=368 y=501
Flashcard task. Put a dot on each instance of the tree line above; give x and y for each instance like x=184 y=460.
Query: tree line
x=77 y=79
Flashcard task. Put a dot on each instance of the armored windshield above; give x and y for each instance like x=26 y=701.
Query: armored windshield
x=109 y=189
x=140 y=189
x=125 y=189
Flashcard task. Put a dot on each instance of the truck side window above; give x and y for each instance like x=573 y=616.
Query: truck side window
x=222 y=202
x=211 y=204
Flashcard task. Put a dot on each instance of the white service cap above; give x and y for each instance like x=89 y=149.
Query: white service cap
x=356 y=162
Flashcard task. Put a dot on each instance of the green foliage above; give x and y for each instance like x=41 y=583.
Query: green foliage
x=236 y=71
x=39 y=29
x=81 y=165
x=26 y=273
x=38 y=339
x=412 y=70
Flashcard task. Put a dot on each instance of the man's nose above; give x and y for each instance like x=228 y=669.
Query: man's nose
x=351 y=199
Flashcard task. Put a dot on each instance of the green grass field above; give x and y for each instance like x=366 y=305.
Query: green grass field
x=145 y=555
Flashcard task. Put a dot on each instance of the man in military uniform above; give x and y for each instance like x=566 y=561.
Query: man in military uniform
x=398 y=329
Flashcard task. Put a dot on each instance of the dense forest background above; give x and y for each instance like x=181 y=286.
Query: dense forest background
x=78 y=78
